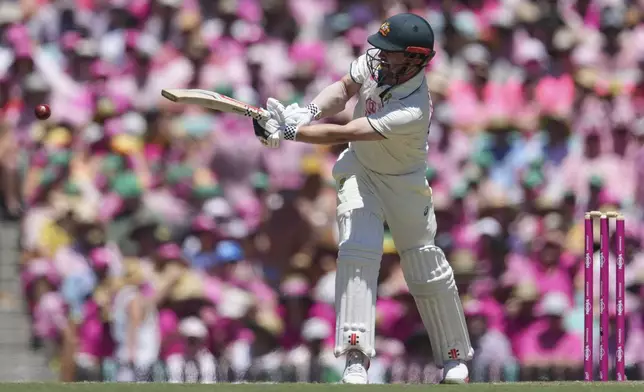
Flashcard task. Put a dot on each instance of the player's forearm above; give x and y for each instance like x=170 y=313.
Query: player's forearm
x=332 y=99
x=323 y=134
x=357 y=130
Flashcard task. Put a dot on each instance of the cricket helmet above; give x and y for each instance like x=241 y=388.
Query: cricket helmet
x=404 y=33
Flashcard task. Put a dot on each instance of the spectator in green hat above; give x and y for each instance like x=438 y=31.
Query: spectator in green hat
x=178 y=171
x=261 y=184
x=206 y=191
x=112 y=164
x=483 y=161
x=128 y=187
x=71 y=188
x=531 y=182
x=41 y=183
x=119 y=205
x=201 y=193
x=60 y=158
x=147 y=232
x=197 y=126
x=595 y=187
x=458 y=195
x=178 y=177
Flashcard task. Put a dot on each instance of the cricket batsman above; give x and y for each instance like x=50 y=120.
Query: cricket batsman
x=381 y=177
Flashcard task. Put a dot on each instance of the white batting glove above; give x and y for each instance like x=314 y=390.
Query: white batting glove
x=302 y=115
x=284 y=122
x=293 y=114
x=270 y=132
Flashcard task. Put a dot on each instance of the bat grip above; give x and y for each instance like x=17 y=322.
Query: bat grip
x=265 y=114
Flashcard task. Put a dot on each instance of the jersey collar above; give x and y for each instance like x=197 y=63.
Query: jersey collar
x=404 y=90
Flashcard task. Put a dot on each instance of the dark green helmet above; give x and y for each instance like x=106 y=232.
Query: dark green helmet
x=407 y=34
x=404 y=33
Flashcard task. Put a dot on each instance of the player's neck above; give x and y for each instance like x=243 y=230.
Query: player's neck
x=406 y=79
x=400 y=81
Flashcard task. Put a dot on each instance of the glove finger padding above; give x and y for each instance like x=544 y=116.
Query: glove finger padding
x=273 y=103
x=276 y=108
x=290 y=108
x=299 y=116
x=273 y=140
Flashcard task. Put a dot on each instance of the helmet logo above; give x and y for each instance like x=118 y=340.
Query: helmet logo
x=385 y=29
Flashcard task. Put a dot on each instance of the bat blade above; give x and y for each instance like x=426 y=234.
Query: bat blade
x=215 y=101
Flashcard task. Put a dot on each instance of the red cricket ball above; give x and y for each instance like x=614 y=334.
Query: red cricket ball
x=42 y=111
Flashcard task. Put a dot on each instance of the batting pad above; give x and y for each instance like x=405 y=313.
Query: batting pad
x=431 y=281
x=356 y=282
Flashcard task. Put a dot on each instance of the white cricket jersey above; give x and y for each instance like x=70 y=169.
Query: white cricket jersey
x=401 y=115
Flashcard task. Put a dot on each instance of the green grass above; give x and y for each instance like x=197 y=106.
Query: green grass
x=502 y=387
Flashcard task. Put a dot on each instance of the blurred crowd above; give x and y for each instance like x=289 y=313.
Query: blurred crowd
x=163 y=242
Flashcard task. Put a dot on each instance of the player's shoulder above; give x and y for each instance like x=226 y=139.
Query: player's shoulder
x=359 y=70
x=414 y=99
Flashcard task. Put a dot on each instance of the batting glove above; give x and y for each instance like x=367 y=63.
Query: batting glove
x=265 y=130
x=302 y=116
x=283 y=123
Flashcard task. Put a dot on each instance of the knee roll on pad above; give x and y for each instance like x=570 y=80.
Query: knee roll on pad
x=356 y=281
x=361 y=233
x=431 y=281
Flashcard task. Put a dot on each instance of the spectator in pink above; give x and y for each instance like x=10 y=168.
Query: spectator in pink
x=195 y=364
x=546 y=345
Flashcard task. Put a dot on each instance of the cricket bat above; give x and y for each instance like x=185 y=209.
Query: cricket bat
x=214 y=101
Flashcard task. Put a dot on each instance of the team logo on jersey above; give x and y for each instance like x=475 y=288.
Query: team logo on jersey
x=385 y=29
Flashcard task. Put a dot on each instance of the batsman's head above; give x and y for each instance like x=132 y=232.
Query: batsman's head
x=402 y=47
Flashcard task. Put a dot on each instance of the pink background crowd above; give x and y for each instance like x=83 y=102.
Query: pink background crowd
x=163 y=242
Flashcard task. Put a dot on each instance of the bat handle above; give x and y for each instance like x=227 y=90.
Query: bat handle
x=265 y=114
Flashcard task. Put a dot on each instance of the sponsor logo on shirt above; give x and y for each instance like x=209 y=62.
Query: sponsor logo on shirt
x=371 y=107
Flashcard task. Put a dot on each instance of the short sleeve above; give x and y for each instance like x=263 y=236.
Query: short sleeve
x=396 y=119
x=359 y=71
